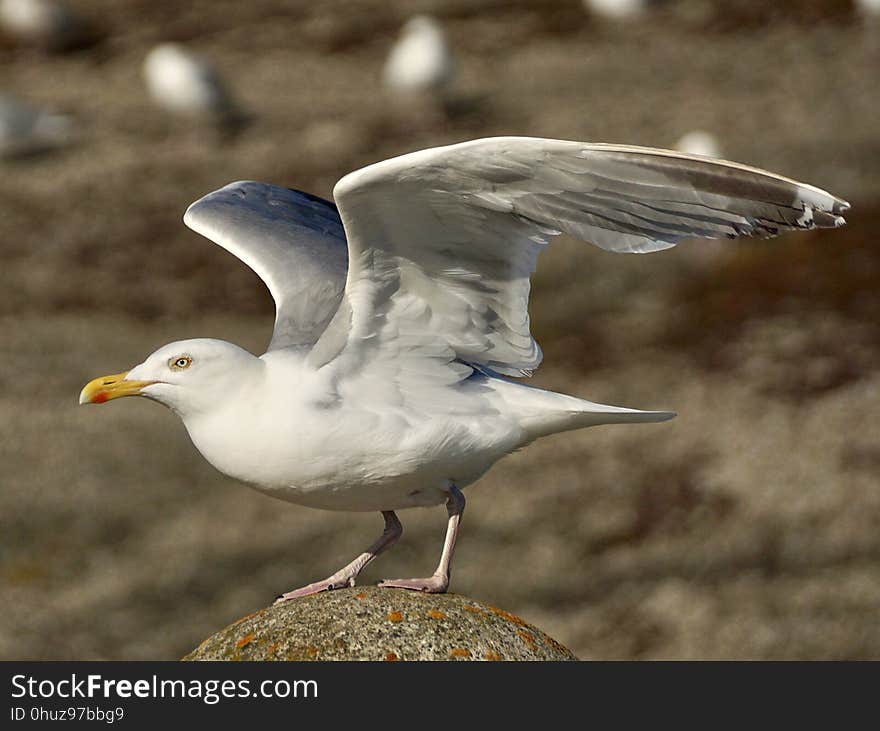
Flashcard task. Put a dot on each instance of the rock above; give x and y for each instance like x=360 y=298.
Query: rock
x=368 y=623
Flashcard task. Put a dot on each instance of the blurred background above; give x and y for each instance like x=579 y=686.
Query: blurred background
x=748 y=527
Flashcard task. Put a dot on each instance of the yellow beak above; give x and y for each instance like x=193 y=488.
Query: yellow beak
x=106 y=388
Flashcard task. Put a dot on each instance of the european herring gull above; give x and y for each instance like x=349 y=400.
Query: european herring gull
x=186 y=84
x=617 y=10
x=421 y=60
x=699 y=142
x=51 y=25
x=401 y=316
x=27 y=130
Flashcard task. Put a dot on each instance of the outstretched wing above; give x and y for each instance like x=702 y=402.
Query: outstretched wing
x=293 y=241
x=442 y=242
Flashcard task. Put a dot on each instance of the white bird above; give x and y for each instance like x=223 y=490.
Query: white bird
x=699 y=142
x=186 y=84
x=50 y=24
x=869 y=9
x=401 y=315
x=617 y=10
x=27 y=130
x=421 y=60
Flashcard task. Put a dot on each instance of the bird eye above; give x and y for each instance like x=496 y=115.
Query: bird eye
x=180 y=363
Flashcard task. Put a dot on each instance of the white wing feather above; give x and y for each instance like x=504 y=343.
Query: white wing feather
x=442 y=242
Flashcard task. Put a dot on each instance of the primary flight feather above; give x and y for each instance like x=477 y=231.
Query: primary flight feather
x=400 y=314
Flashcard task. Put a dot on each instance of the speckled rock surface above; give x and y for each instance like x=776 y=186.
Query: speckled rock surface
x=368 y=623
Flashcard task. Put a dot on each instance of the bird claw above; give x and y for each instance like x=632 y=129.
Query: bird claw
x=315 y=588
x=431 y=585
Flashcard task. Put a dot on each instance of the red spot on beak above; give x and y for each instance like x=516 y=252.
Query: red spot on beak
x=99 y=398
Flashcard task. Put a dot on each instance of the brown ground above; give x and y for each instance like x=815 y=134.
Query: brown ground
x=749 y=527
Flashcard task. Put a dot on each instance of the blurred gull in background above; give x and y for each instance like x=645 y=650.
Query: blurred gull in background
x=614 y=10
x=869 y=13
x=48 y=24
x=421 y=60
x=699 y=142
x=26 y=130
x=187 y=85
x=869 y=9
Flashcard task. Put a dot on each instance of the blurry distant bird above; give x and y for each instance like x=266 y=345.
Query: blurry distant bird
x=869 y=9
x=421 y=60
x=47 y=24
x=617 y=9
x=402 y=313
x=869 y=13
x=699 y=142
x=25 y=130
x=188 y=85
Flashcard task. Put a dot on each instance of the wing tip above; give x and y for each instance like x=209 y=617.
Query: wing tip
x=839 y=207
x=192 y=210
x=189 y=214
x=650 y=417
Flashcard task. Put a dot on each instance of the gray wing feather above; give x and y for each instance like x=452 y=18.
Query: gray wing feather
x=293 y=241
x=443 y=241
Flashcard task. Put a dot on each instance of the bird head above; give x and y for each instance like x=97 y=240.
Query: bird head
x=188 y=376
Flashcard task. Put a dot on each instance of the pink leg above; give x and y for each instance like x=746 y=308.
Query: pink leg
x=346 y=575
x=439 y=581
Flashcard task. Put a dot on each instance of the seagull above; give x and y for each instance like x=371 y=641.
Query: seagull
x=49 y=24
x=402 y=317
x=420 y=61
x=617 y=10
x=186 y=84
x=869 y=9
x=27 y=130
x=699 y=142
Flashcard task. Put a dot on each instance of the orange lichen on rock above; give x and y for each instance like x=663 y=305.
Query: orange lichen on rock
x=528 y=639
x=360 y=595
x=493 y=656
x=436 y=614
x=246 y=640
x=247 y=617
x=312 y=651
x=391 y=657
x=460 y=652
x=508 y=616
x=395 y=617
x=553 y=643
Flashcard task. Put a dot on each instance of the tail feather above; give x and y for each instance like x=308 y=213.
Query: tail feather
x=542 y=413
x=604 y=414
x=551 y=422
